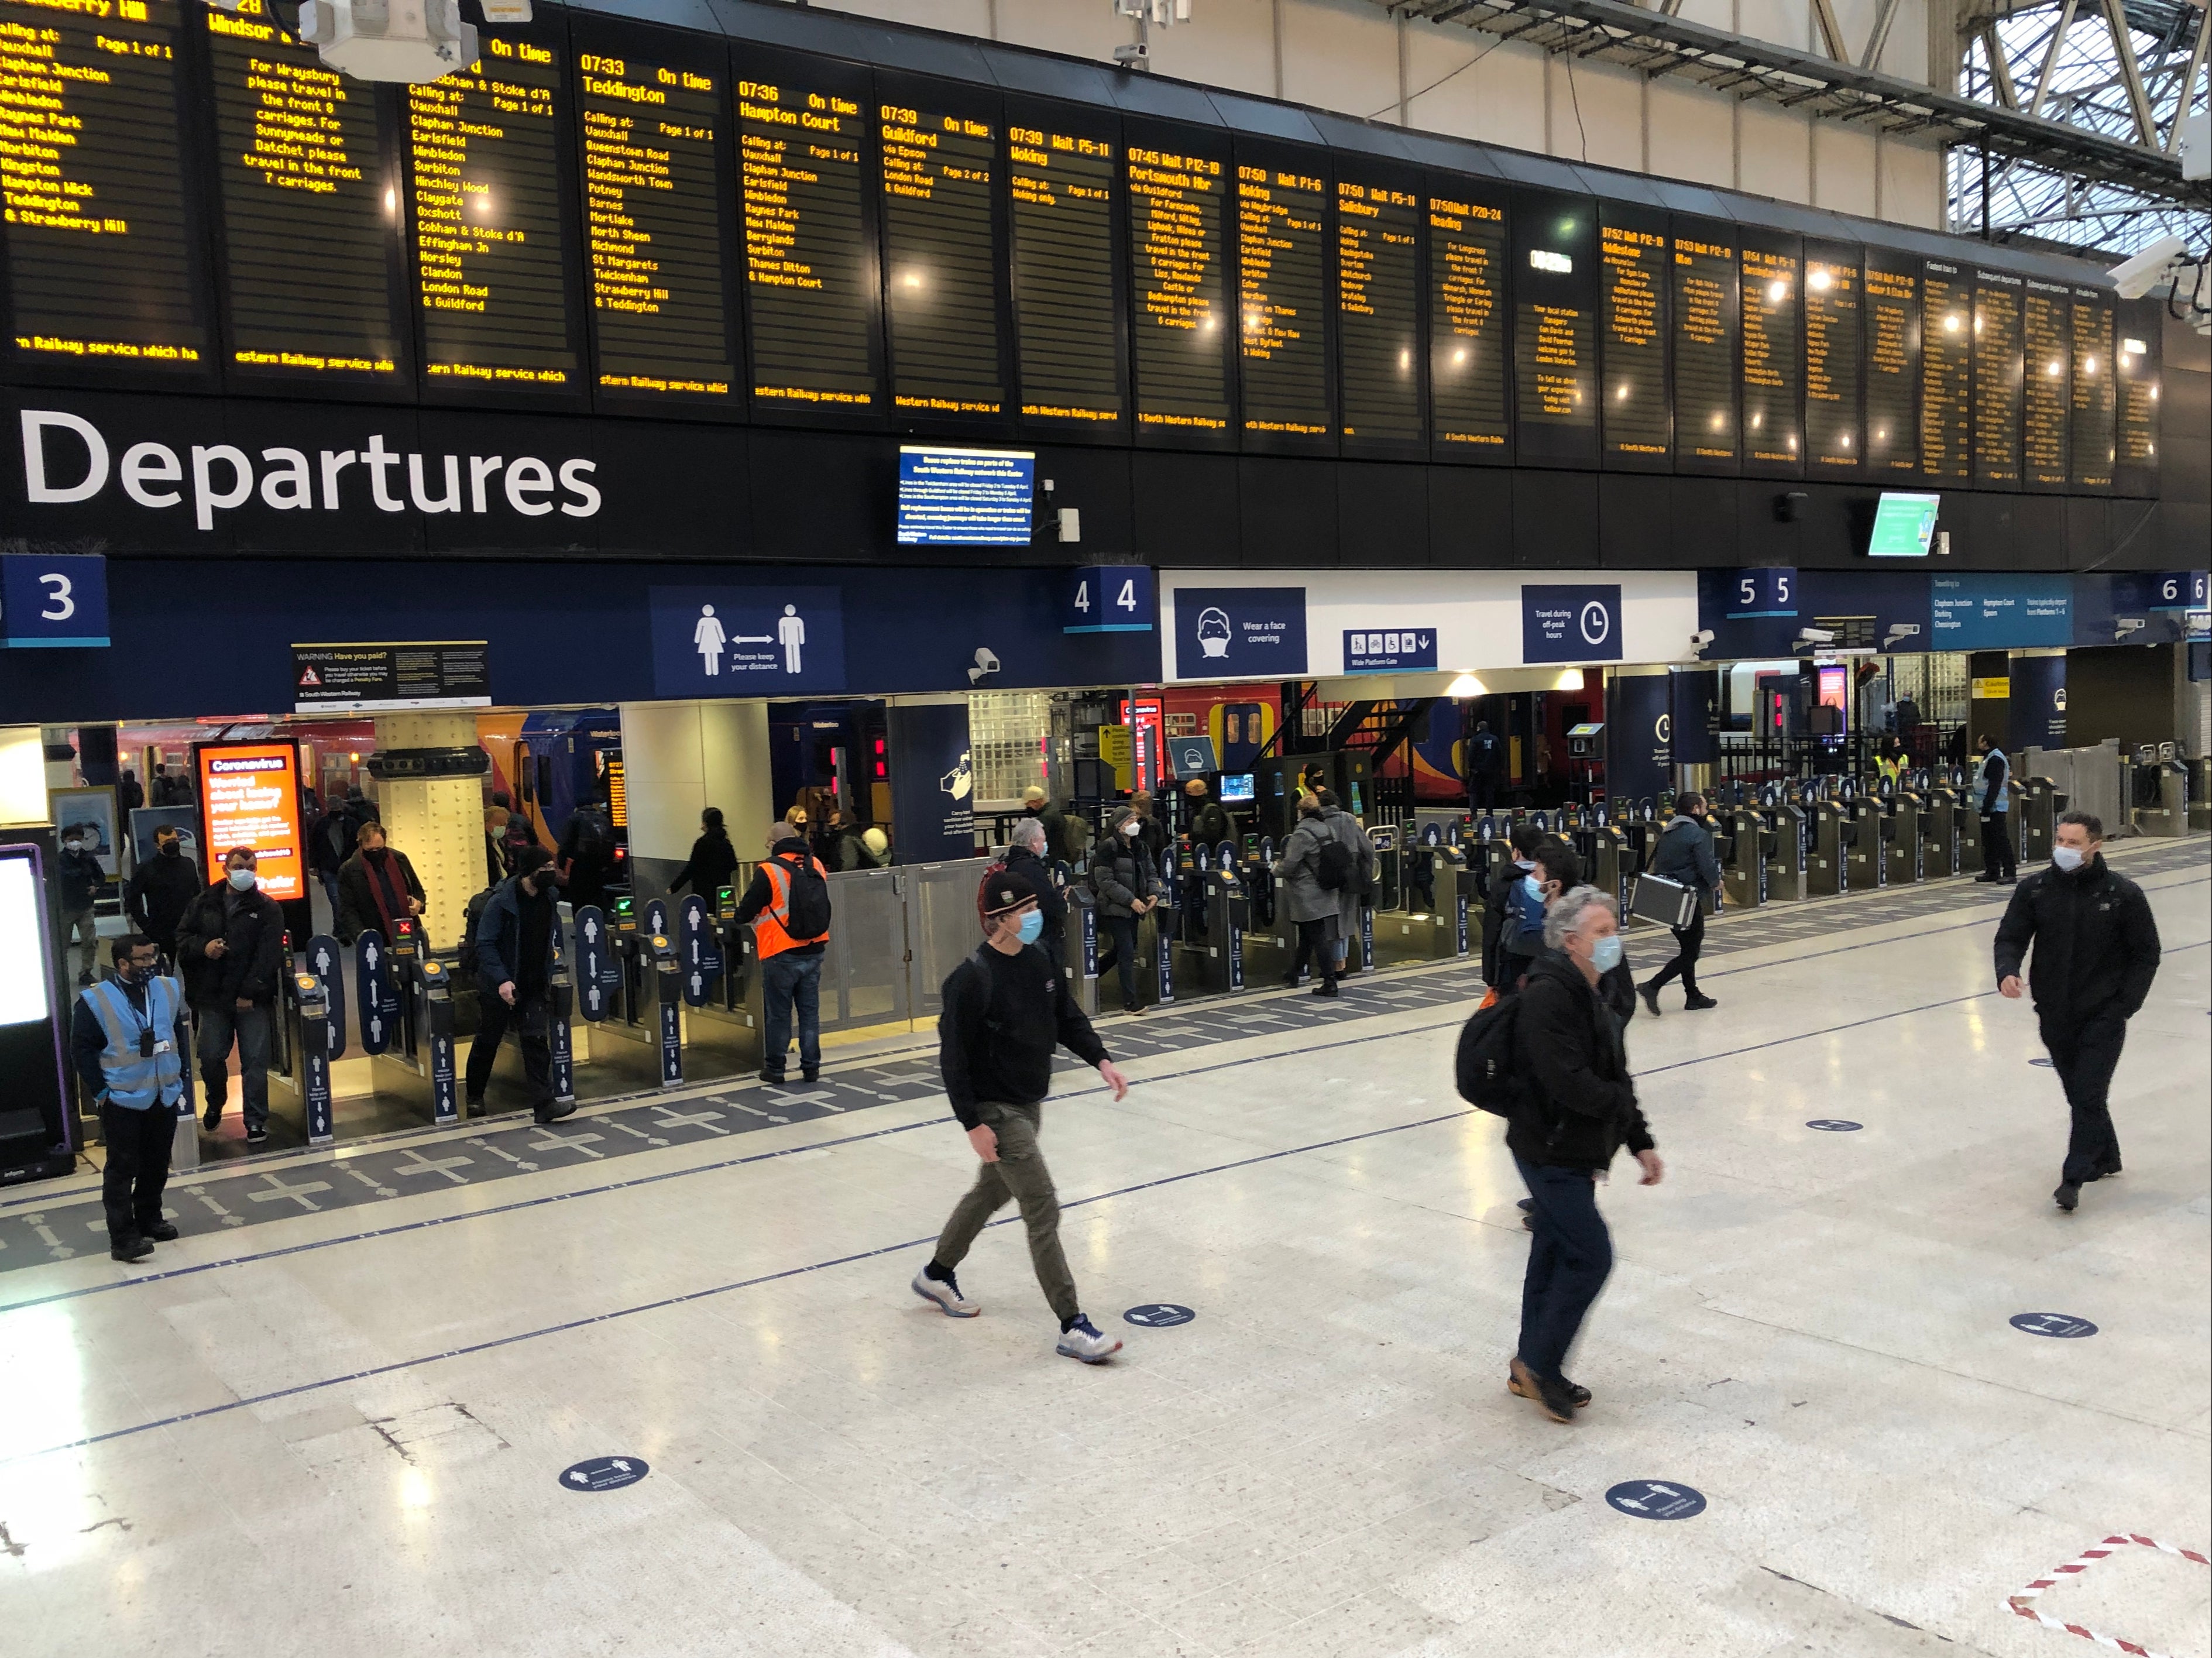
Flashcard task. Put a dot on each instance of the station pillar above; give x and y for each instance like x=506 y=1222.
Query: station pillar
x=679 y=758
x=438 y=821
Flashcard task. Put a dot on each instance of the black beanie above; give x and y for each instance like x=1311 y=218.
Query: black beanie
x=1004 y=890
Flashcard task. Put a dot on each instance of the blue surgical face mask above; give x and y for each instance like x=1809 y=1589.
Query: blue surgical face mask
x=242 y=879
x=2067 y=857
x=1032 y=927
x=1605 y=953
x=1534 y=886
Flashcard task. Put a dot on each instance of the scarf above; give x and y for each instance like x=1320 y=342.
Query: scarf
x=385 y=885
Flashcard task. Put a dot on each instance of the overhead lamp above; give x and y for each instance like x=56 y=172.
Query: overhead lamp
x=1570 y=680
x=1465 y=686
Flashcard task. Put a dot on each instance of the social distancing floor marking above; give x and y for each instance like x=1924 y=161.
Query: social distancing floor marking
x=2022 y=1602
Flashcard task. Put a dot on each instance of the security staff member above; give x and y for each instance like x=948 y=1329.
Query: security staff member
x=789 y=903
x=2000 y=858
x=2096 y=952
x=127 y=1037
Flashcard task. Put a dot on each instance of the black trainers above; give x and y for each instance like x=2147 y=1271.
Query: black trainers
x=1696 y=1004
x=160 y=1232
x=553 y=1111
x=773 y=1079
x=257 y=1137
x=211 y=1118
x=810 y=1076
x=130 y=1249
x=1649 y=992
x=1325 y=987
x=2067 y=1196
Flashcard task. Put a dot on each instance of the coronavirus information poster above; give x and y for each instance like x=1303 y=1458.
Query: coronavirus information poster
x=250 y=797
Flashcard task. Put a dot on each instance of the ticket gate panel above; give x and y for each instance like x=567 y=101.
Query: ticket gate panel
x=1862 y=845
x=1743 y=870
x=1904 y=846
x=1783 y=841
x=1827 y=870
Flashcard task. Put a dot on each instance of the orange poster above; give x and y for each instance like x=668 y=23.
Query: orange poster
x=250 y=797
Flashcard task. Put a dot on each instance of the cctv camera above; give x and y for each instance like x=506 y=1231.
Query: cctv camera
x=986 y=666
x=1816 y=636
x=2122 y=626
x=1899 y=630
x=2137 y=276
x=1700 y=639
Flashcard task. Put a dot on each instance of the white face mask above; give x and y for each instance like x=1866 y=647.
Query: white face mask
x=2069 y=858
x=1129 y=829
x=242 y=879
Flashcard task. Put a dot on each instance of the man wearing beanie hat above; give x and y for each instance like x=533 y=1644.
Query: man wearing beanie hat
x=1006 y=1008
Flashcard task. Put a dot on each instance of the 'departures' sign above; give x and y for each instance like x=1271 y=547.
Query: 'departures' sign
x=250 y=797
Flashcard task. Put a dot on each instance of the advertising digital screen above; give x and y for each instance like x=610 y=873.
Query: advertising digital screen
x=1997 y=379
x=1892 y=364
x=1947 y=372
x=2047 y=386
x=1633 y=293
x=1833 y=322
x=941 y=261
x=1555 y=327
x=2090 y=424
x=965 y=497
x=1378 y=315
x=1282 y=296
x=24 y=959
x=1706 y=312
x=1772 y=359
x=1062 y=189
x=1904 y=526
x=249 y=796
x=1467 y=312
x=1180 y=312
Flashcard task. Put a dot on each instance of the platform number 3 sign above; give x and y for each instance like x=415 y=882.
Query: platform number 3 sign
x=57 y=600
x=1108 y=598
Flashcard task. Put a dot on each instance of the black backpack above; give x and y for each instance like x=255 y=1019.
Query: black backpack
x=1484 y=1068
x=807 y=916
x=470 y=918
x=1335 y=866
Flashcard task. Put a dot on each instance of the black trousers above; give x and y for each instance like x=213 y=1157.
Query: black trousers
x=2000 y=857
x=1314 y=944
x=1689 y=944
x=1121 y=954
x=138 y=1168
x=528 y=1019
x=2085 y=1055
x=1482 y=790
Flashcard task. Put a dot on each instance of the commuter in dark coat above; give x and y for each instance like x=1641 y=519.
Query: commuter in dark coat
x=161 y=888
x=230 y=945
x=377 y=887
x=713 y=862
x=1685 y=854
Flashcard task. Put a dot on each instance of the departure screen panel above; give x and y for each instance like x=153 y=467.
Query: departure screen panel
x=1282 y=299
x=1892 y=365
x=1947 y=372
x=1466 y=328
x=2090 y=430
x=1772 y=360
x=1063 y=187
x=2047 y=386
x=1632 y=299
x=941 y=262
x=1997 y=379
x=1706 y=312
x=1378 y=307
x=2136 y=455
x=101 y=251
x=653 y=226
x=1179 y=291
x=491 y=264
x=811 y=286
x=1555 y=284
x=1833 y=319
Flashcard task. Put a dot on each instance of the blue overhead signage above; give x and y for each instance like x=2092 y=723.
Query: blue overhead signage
x=1240 y=632
x=1570 y=624
x=747 y=642
x=1389 y=650
x=2000 y=612
x=2176 y=590
x=965 y=497
x=1762 y=593
x=1108 y=598
x=54 y=601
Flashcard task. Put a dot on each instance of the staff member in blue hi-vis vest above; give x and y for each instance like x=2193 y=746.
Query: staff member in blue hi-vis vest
x=128 y=1039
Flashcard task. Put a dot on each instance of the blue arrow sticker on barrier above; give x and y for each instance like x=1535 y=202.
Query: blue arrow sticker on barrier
x=604 y=1473
x=1655 y=1499
x=1159 y=1314
x=1835 y=1125
x=2064 y=1326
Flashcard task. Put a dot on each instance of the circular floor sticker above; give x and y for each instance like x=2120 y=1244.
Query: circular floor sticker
x=1655 y=1499
x=1159 y=1314
x=2064 y=1326
x=1835 y=1125
x=604 y=1473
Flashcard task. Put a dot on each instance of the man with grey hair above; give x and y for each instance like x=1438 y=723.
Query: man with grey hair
x=1578 y=1109
x=1027 y=855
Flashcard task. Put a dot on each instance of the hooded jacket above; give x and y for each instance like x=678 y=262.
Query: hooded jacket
x=1577 y=1100
x=1299 y=895
x=1121 y=872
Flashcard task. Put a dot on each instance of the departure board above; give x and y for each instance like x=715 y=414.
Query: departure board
x=491 y=267
x=1378 y=308
x=2047 y=386
x=2135 y=456
x=2090 y=430
x=811 y=284
x=1179 y=293
x=941 y=262
x=1892 y=365
x=653 y=227
x=1062 y=185
x=1772 y=360
x=308 y=239
x=1282 y=296
x=1555 y=289
x=1632 y=294
x=1706 y=326
x=1997 y=379
x=101 y=254
x=1947 y=372
x=1466 y=329
x=1833 y=319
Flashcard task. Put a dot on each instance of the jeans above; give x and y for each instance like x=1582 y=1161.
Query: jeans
x=1316 y=944
x=138 y=1144
x=528 y=1019
x=1689 y=942
x=250 y=1026
x=2000 y=857
x=80 y=928
x=2084 y=1056
x=1121 y=954
x=1020 y=1174
x=791 y=979
x=1570 y=1256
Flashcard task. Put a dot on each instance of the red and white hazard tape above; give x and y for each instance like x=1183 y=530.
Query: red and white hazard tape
x=2021 y=1602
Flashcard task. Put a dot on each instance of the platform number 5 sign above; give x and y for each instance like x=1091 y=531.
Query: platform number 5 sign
x=57 y=600
x=1108 y=598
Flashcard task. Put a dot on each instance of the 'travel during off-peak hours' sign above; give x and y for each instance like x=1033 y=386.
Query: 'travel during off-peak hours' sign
x=1235 y=633
x=250 y=797
x=391 y=678
x=1369 y=650
x=747 y=642
x=1576 y=623
x=964 y=497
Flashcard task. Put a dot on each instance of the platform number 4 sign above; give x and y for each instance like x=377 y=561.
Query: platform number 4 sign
x=1108 y=598
x=56 y=600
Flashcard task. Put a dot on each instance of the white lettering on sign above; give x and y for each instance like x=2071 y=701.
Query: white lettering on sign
x=67 y=461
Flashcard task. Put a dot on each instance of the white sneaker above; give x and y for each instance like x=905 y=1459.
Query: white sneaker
x=1082 y=1340
x=945 y=1293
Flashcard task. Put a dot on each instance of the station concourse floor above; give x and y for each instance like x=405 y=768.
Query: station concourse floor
x=334 y=1419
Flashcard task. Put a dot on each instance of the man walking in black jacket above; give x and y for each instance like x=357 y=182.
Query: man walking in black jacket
x=1006 y=1007
x=230 y=944
x=2096 y=953
x=1685 y=855
x=161 y=889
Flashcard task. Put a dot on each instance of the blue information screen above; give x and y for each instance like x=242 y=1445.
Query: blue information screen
x=965 y=497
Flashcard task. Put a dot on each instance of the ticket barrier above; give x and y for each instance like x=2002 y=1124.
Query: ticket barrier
x=1782 y=843
x=621 y=1048
x=1216 y=964
x=1970 y=828
x=1743 y=870
x=311 y=1003
x=1083 y=942
x=1271 y=942
x=1866 y=864
x=2197 y=780
x=1827 y=870
x=1439 y=931
x=1608 y=863
x=1903 y=847
x=2038 y=804
x=1939 y=829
